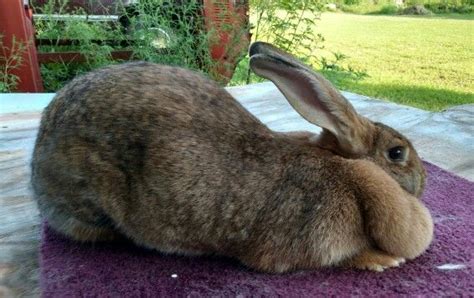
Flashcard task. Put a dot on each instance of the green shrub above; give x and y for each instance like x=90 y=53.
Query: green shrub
x=161 y=33
x=291 y=25
x=352 y=2
x=174 y=35
x=389 y=9
x=445 y=7
x=371 y=7
x=10 y=59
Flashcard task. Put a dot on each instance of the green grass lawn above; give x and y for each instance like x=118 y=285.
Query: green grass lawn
x=426 y=62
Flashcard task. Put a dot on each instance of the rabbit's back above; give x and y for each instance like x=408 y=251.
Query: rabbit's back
x=126 y=109
x=142 y=139
x=134 y=98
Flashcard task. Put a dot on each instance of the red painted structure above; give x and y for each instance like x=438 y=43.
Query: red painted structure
x=16 y=27
x=228 y=21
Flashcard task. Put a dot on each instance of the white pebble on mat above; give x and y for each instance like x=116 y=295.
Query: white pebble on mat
x=174 y=275
x=451 y=266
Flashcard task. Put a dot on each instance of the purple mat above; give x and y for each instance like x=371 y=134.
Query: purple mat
x=69 y=269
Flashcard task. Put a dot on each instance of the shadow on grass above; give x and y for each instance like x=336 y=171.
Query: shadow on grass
x=424 y=97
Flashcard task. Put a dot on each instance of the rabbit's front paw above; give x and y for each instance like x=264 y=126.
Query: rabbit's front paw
x=374 y=260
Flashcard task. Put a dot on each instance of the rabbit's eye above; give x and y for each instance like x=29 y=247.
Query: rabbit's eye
x=397 y=153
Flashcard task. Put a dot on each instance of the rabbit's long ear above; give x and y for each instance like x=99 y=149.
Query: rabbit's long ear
x=264 y=48
x=312 y=96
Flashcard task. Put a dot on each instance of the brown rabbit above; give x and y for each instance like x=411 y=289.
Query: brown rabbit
x=169 y=159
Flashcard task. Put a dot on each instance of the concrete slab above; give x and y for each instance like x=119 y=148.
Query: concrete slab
x=24 y=102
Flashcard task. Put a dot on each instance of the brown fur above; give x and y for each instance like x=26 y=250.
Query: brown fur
x=167 y=158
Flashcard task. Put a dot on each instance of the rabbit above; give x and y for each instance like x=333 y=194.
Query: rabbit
x=168 y=159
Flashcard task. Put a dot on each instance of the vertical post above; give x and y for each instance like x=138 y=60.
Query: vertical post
x=16 y=27
x=228 y=21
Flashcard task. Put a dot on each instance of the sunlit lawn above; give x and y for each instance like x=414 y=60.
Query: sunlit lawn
x=427 y=62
